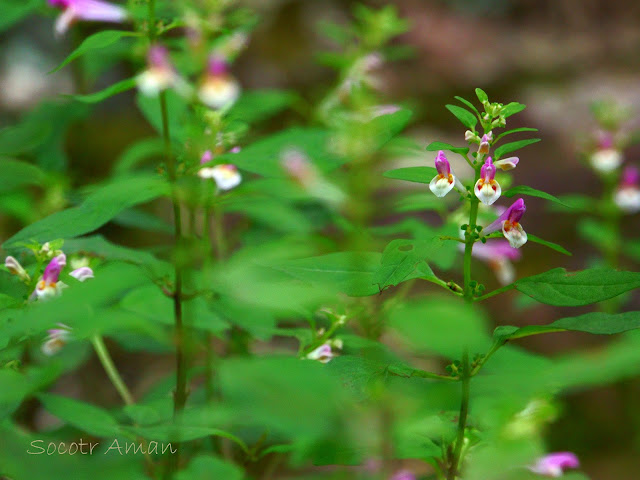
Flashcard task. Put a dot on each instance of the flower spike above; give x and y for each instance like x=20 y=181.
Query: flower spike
x=88 y=10
x=554 y=464
x=627 y=196
x=487 y=189
x=509 y=222
x=445 y=180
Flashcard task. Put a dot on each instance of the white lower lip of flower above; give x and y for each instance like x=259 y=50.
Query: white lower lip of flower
x=154 y=80
x=606 y=160
x=53 y=345
x=441 y=185
x=225 y=177
x=82 y=273
x=219 y=92
x=46 y=291
x=487 y=192
x=515 y=234
x=628 y=199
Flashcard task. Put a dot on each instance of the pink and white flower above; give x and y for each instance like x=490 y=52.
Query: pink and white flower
x=403 y=475
x=487 y=189
x=485 y=143
x=81 y=274
x=323 y=353
x=554 y=464
x=498 y=254
x=86 y=10
x=607 y=157
x=15 y=268
x=57 y=338
x=507 y=163
x=218 y=88
x=160 y=73
x=445 y=180
x=49 y=285
x=509 y=223
x=627 y=195
x=226 y=176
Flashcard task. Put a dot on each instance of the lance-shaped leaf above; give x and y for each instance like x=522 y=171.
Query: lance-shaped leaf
x=551 y=245
x=99 y=207
x=86 y=417
x=110 y=91
x=467 y=118
x=573 y=289
x=598 y=323
x=513 y=146
x=435 y=146
x=532 y=192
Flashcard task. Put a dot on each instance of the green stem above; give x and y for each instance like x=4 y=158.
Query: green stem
x=497 y=291
x=110 y=368
x=454 y=465
x=470 y=239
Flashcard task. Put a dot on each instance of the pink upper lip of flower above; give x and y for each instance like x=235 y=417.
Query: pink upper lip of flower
x=442 y=164
x=217 y=65
x=513 y=215
x=630 y=177
x=488 y=170
x=52 y=271
x=158 y=57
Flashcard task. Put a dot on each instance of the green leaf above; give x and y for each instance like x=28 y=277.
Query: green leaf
x=258 y=105
x=412 y=174
x=598 y=323
x=15 y=10
x=427 y=325
x=139 y=152
x=597 y=233
x=272 y=379
x=23 y=137
x=349 y=272
x=579 y=203
x=551 y=245
x=17 y=174
x=205 y=466
x=532 y=192
x=482 y=96
x=515 y=130
x=572 y=289
x=511 y=109
x=468 y=119
x=400 y=259
x=435 y=146
x=263 y=157
x=87 y=418
x=96 y=41
x=99 y=207
x=513 y=146
x=110 y=91
x=467 y=103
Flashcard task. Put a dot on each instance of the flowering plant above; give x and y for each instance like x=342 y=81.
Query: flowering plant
x=259 y=302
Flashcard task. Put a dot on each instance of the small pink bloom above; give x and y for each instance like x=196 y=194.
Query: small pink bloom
x=57 y=338
x=159 y=74
x=15 y=268
x=485 y=143
x=81 y=274
x=49 y=286
x=627 y=195
x=235 y=149
x=487 y=189
x=445 y=180
x=87 y=10
x=509 y=222
x=554 y=464
x=507 y=163
x=226 y=176
x=218 y=89
x=323 y=353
